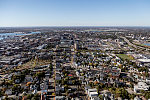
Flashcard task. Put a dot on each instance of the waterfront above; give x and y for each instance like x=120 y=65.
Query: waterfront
x=147 y=44
x=9 y=35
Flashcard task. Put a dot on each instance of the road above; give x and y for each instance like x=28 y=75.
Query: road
x=129 y=43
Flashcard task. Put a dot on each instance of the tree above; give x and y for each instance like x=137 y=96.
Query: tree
x=73 y=81
x=16 y=88
x=53 y=94
x=67 y=92
x=40 y=75
x=1 y=93
x=147 y=95
x=9 y=82
x=62 y=82
x=131 y=96
x=51 y=66
x=91 y=84
x=66 y=87
x=29 y=96
x=90 y=64
x=36 y=97
x=121 y=92
x=101 y=97
x=141 y=69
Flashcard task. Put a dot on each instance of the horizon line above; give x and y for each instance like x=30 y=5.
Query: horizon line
x=71 y=26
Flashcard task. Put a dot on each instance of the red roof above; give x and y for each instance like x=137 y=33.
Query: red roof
x=70 y=75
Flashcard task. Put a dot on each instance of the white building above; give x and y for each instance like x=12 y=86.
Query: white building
x=92 y=93
x=133 y=70
x=148 y=80
x=141 y=86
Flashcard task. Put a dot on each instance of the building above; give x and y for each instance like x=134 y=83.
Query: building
x=141 y=86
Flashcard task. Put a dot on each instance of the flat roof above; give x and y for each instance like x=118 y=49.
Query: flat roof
x=92 y=89
x=144 y=60
x=93 y=93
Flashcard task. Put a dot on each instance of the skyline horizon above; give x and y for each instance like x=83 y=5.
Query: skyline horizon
x=26 y=13
x=71 y=26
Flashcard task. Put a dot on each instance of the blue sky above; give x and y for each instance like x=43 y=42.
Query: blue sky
x=74 y=13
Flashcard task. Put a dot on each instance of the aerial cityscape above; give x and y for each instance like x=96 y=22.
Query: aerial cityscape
x=53 y=50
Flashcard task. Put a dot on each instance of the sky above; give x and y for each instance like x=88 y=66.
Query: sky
x=14 y=13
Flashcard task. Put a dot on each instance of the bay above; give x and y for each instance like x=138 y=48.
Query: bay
x=147 y=44
x=9 y=35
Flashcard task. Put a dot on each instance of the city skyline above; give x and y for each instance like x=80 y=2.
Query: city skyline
x=24 y=13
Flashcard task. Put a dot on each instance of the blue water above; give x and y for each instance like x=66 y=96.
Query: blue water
x=147 y=44
x=6 y=35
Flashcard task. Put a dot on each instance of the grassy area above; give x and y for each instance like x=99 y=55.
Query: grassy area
x=33 y=63
x=124 y=56
x=142 y=45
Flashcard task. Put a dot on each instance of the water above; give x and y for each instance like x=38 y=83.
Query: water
x=7 y=35
x=147 y=44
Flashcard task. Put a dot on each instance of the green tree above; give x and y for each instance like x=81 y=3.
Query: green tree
x=29 y=96
x=73 y=81
x=51 y=66
x=131 y=96
x=147 y=95
x=16 y=88
x=121 y=92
